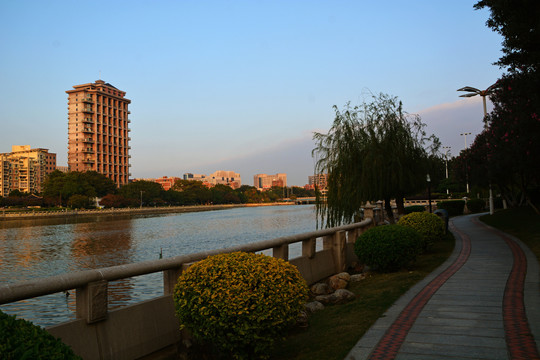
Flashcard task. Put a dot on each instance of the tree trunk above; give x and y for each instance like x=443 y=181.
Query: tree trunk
x=389 y=212
x=400 y=205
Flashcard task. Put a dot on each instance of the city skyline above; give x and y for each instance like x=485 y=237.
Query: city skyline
x=241 y=85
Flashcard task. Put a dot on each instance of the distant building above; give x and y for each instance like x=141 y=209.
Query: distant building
x=264 y=181
x=222 y=177
x=319 y=180
x=63 y=169
x=166 y=182
x=98 y=131
x=195 y=177
x=229 y=178
x=25 y=169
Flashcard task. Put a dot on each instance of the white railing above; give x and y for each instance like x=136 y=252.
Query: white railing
x=138 y=330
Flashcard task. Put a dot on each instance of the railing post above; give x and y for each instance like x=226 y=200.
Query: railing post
x=340 y=257
x=281 y=252
x=327 y=242
x=92 y=301
x=309 y=247
x=170 y=278
x=352 y=235
x=368 y=212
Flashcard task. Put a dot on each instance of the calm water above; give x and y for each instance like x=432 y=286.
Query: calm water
x=47 y=248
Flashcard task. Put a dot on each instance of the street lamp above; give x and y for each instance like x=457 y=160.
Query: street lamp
x=483 y=93
x=447 y=150
x=428 y=179
x=141 y=198
x=466 y=166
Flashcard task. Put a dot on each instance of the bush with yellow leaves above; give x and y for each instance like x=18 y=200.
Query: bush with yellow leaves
x=429 y=226
x=240 y=303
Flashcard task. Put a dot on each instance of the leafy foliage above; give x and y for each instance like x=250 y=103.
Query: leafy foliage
x=454 y=207
x=506 y=153
x=62 y=186
x=476 y=205
x=372 y=152
x=239 y=302
x=429 y=226
x=388 y=248
x=414 y=208
x=23 y=340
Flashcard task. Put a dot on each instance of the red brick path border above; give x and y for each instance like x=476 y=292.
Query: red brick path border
x=519 y=339
x=389 y=345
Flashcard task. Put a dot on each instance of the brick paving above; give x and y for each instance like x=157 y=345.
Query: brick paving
x=482 y=303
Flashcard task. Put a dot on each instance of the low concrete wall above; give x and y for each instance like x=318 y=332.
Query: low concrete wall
x=128 y=333
x=150 y=326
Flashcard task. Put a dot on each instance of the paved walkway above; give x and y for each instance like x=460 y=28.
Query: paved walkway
x=482 y=303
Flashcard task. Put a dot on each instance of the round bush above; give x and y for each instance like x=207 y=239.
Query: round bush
x=476 y=205
x=388 y=248
x=240 y=302
x=23 y=340
x=429 y=226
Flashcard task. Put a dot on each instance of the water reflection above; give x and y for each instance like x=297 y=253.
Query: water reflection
x=43 y=249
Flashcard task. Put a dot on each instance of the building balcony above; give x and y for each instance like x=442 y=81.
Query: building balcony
x=88 y=120
x=88 y=110
x=88 y=140
x=88 y=150
x=88 y=100
x=128 y=120
x=89 y=161
x=88 y=130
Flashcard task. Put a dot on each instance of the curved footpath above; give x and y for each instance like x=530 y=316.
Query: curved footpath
x=482 y=303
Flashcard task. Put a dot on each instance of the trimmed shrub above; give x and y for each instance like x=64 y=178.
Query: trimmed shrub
x=240 y=302
x=388 y=248
x=414 y=208
x=429 y=226
x=23 y=340
x=476 y=205
x=454 y=207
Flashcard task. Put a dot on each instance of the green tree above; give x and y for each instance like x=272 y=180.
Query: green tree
x=517 y=22
x=102 y=185
x=147 y=191
x=374 y=151
x=78 y=201
x=507 y=151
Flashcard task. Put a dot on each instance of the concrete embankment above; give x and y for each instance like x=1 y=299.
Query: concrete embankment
x=69 y=213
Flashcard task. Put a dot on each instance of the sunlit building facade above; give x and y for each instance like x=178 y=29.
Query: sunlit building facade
x=98 y=130
x=264 y=181
x=25 y=169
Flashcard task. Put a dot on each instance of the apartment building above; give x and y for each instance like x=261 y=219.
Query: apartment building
x=98 y=130
x=223 y=177
x=264 y=181
x=319 y=180
x=25 y=169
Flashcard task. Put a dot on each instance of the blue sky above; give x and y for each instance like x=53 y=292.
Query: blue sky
x=239 y=85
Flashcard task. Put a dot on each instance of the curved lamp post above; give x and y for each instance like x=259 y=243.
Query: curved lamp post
x=446 y=151
x=483 y=93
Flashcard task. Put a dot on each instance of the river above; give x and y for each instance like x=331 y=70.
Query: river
x=41 y=248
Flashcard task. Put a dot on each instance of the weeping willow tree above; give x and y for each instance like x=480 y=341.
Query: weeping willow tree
x=372 y=152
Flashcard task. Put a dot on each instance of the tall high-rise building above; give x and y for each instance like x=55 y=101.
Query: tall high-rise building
x=98 y=130
x=25 y=169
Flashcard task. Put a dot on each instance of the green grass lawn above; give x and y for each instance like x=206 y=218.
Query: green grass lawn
x=335 y=330
x=521 y=222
